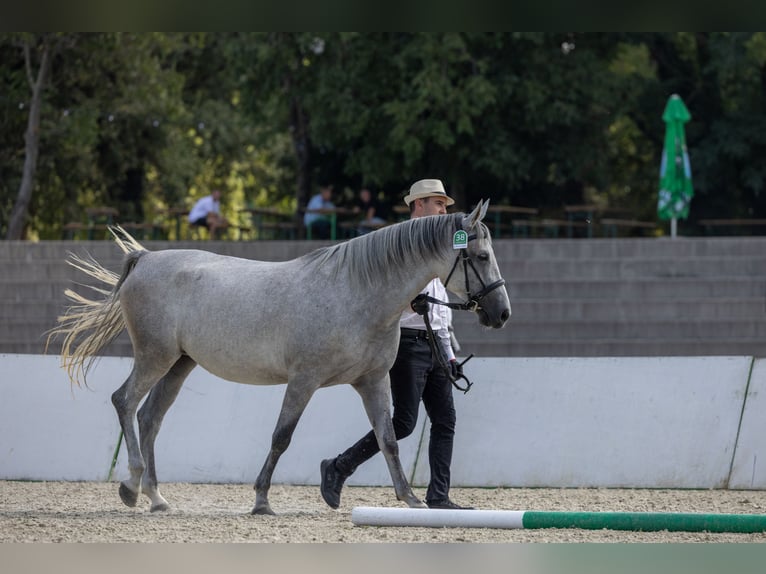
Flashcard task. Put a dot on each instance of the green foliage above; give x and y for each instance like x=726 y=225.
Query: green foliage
x=146 y=121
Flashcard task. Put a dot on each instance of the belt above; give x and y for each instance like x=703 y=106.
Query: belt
x=417 y=333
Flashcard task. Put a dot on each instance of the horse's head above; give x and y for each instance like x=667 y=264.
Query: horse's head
x=475 y=275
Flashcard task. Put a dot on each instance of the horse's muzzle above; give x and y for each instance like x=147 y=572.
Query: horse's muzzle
x=496 y=322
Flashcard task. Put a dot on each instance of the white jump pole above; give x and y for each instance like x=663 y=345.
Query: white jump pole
x=634 y=521
x=371 y=516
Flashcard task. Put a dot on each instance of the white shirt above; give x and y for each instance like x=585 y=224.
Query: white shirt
x=438 y=315
x=204 y=206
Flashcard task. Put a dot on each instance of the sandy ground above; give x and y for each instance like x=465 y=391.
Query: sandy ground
x=93 y=512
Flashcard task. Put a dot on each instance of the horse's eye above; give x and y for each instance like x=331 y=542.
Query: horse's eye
x=483 y=256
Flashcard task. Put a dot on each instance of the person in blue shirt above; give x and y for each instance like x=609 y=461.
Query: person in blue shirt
x=318 y=222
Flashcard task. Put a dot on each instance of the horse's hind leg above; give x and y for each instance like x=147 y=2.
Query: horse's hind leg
x=126 y=400
x=150 y=417
x=293 y=405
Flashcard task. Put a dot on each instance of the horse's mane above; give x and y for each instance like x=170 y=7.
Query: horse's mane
x=393 y=250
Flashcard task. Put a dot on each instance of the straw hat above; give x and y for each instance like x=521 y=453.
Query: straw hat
x=427 y=188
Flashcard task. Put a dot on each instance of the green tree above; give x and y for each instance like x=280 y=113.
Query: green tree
x=400 y=107
x=144 y=121
x=514 y=117
x=38 y=54
x=722 y=79
x=134 y=121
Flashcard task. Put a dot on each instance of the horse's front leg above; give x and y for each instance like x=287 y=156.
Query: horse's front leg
x=297 y=396
x=376 y=398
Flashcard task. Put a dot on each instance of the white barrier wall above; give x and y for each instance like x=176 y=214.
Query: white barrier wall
x=614 y=422
x=746 y=471
x=680 y=422
x=50 y=431
x=216 y=431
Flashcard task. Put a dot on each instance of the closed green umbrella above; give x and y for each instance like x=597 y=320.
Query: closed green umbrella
x=676 y=189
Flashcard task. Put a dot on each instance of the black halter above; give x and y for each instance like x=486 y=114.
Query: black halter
x=471 y=304
x=474 y=299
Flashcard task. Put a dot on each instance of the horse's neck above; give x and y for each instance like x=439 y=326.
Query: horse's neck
x=395 y=291
x=393 y=281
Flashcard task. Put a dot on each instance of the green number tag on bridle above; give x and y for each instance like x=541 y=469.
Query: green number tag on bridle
x=460 y=240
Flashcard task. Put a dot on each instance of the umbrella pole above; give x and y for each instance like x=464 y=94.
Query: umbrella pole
x=673 y=227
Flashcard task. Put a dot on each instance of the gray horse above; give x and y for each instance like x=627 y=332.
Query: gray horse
x=330 y=317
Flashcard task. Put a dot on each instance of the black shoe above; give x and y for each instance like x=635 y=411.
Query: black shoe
x=332 y=482
x=447 y=504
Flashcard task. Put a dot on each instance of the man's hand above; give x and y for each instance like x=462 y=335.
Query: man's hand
x=420 y=304
x=456 y=369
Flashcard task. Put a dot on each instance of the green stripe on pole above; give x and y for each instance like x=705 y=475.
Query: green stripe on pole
x=632 y=521
x=647 y=521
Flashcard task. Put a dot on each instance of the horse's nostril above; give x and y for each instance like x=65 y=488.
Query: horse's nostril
x=506 y=315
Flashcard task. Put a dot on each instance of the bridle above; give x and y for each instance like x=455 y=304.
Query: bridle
x=474 y=299
x=472 y=303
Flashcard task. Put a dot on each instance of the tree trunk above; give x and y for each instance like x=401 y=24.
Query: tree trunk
x=301 y=145
x=18 y=219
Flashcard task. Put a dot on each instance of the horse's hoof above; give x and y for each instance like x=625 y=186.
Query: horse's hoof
x=416 y=503
x=128 y=497
x=161 y=507
x=263 y=509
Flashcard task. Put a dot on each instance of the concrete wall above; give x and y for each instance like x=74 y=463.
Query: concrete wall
x=670 y=422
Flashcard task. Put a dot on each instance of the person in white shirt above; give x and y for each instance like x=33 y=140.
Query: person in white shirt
x=416 y=375
x=207 y=213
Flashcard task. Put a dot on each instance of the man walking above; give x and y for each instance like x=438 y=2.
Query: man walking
x=416 y=375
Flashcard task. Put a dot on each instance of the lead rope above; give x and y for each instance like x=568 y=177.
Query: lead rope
x=418 y=304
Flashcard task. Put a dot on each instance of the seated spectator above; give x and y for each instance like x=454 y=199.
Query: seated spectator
x=318 y=223
x=373 y=212
x=207 y=213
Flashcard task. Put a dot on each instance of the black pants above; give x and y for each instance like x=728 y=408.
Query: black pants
x=415 y=375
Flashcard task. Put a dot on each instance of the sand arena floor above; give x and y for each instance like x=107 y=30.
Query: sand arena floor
x=93 y=512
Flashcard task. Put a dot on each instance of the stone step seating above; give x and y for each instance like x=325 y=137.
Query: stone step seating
x=628 y=298
x=678 y=288
x=597 y=297
x=529 y=311
x=33 y=277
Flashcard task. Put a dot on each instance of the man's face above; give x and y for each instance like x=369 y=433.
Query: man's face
x=430 y=206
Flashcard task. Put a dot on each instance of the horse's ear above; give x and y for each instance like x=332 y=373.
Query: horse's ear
x=484 y=209
x=470 y=220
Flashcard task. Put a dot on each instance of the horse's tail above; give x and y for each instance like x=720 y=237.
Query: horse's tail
x=88 y=325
